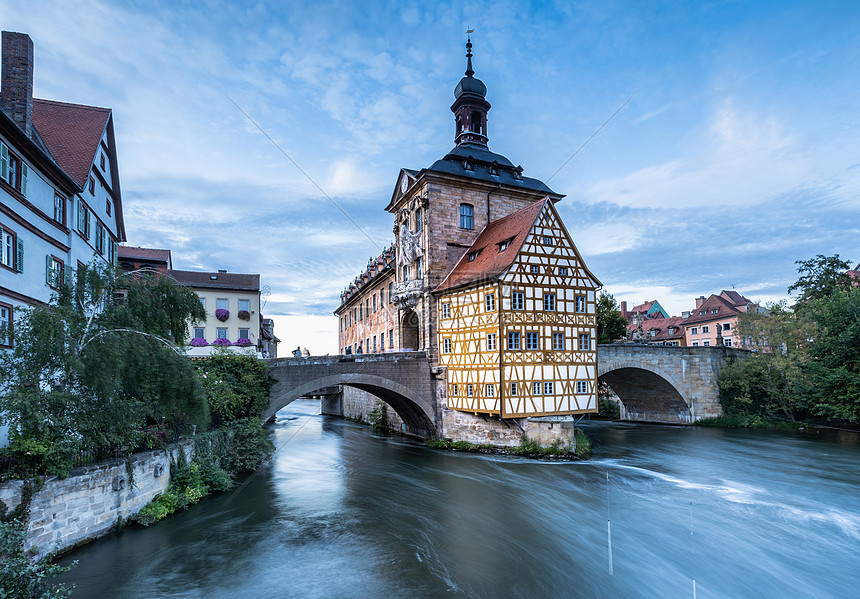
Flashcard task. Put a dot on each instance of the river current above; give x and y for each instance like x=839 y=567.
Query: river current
x=341 y=513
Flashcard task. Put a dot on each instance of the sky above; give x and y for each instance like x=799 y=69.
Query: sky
x=736 y=154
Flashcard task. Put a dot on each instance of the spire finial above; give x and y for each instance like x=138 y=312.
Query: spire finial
x=469 y=71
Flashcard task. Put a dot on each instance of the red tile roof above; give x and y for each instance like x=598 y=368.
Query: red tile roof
x=139 y=253
x=643 y=307
x=71 y=133
x=489 y=261
x=735 y=298
x=661 y=327
x=723 y=306
x=221 y=280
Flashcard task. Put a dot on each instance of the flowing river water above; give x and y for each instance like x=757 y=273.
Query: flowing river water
x=341 y=513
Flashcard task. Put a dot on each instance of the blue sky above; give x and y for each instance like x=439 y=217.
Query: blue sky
x=737 y=154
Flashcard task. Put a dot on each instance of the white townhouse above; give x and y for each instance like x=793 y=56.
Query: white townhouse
x=60 y=201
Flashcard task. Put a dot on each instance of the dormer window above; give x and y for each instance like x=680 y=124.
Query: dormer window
x=714 y=311
x=468 y=166
x=518 y=173
x=504 y=245
x=473 y=255
x=494 y=169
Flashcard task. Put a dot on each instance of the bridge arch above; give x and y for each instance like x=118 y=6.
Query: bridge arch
x=417 y=414
x=647 y=392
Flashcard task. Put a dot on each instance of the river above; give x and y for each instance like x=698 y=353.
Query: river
x=341 y=513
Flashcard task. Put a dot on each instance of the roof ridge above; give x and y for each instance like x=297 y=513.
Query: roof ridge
x=86 y=106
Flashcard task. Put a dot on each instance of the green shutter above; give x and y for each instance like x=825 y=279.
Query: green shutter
x=48 y=263
x=24 y=172
x=80 y=214
x=19 y=256
x=86 y=223
x=68 y=274
x=4 y=161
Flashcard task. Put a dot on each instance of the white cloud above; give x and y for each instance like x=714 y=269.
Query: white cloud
x=606 y=238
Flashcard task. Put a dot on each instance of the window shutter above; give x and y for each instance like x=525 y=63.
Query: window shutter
x=68 y=273
x=4 y=161
x=19 y=256
x=80 y=214
x=48 y=261
x=86 y=223
x=24 y=172
x=115 y=249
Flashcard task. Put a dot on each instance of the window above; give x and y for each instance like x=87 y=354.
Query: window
x=549 y=302
x=107 y=206
x=11 y=250
x=418 y=219
x=374 y=343
x=548 y=388
x=579 y=303
x=221 y=304
x=446 y=310
x=381 y=298
x=5 y=325
x=536 y=388
x=221 y=333
x=59 y=209
x=517 y=300
x=92 y=185
x=405 y=272
x=706 y=342
x=694 y=330
x=706 y=329
x=727 y=326
x=13 y=170
x=513 y=389
x=535 y=269
x=446 y=345
x=476 y=122
x=558 y=341
x=390 y=292
x=547 y=240
x=532 y=340
x=582 y=386
x=361 y=312
x=102 y=162
x=702 y=313
x=490 y=302
x=467 y=216
x=203 y=303
x=454 y=390
x=584 y=342
x=418 y=271
x=53 y=271
x=199 y=332
x=504 y=245
x=513 y=340
x=244 y=333
x=374 y=303
x=491 y=341
x=470 y=390
x=491 y=391
x=100 y=239
x=473 y=255
x=244 y=305
x=695 y=344
x=390 y=338
x=562 y=271
x=381 y=341
x=727 y=341
x=83 y=219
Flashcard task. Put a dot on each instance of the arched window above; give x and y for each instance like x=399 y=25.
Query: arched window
x=467 y=216
x=418 y=220
x=476 y=122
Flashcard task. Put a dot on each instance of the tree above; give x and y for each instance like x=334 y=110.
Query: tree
x=237 y=387
x=610 y=324
x=98 y=363
x=821 y=276
x=22 y=577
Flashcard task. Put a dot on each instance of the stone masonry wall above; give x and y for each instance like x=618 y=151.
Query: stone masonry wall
x=480 y=429
x=358 y=404
x=91 y=501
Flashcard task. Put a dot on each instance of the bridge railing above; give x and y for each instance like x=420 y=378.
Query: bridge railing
x=351 y=358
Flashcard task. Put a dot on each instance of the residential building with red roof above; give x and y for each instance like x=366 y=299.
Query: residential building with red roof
x=658 y=331
x=714 y=320
x=485 y=278
x=135 y=258
x=60 y=198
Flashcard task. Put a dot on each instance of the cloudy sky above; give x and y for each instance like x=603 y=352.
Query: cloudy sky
x=737 y=153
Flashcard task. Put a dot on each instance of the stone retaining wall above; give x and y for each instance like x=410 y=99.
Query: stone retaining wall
x=67 y=512
x=480 y=429
x=358 y=404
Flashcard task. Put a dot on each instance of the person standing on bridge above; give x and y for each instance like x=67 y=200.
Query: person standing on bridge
x=297 y=353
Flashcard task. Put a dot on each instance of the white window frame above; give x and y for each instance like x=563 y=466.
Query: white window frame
x=446 y=345
x=517 y=300
x=579 y=303
x=490 y=302
x=446 y=310
x=581 y=387
x=491 y=342
x=548 y=388
x=537 y=387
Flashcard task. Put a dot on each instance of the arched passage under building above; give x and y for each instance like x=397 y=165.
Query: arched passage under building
x=647 y=396
x=415 y=412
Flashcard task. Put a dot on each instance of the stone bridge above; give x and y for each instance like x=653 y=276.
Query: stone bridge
x=402 y=380
x=655 y=383
x=658 y=383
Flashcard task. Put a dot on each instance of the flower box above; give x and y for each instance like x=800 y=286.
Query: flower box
x=222 y=314
x=199 y=342
x=243 y=342
x=244 y=315
x=221 y=341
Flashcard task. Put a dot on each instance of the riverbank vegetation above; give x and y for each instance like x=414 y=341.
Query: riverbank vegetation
x=807 y=366
x=530 y=448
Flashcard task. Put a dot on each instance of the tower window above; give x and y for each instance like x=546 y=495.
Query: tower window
x=476 y=122
x=467 y=216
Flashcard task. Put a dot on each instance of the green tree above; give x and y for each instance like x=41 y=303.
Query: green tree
x=90 y=369
x=821 y=276
x=237 y=386
x=22 y=577
x=610 y=324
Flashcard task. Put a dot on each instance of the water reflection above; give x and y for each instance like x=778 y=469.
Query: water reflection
x=341 y=513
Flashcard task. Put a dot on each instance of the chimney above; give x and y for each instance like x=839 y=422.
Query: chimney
x=16 y=86
x=700 y=300
x=624 y=310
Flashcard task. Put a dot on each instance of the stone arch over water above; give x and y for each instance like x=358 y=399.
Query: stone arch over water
x=647 y=394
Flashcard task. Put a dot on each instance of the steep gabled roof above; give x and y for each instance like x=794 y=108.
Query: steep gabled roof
x=217 y=280
x=661 y=327
x=724 y=309
x=734 y=298
x=488 y=261
x=139 y=253
x=72 y=133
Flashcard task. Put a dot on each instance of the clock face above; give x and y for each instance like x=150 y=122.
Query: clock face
x=404 y=184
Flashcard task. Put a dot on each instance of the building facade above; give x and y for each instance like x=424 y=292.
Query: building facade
x=144 y=259
x=436 y=298
x=60 y=199
x=715 y=320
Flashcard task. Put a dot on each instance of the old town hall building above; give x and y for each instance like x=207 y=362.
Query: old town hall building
x=484 y=277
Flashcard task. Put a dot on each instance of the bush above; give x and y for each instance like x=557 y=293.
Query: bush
x=237 y=387
x=21 y=577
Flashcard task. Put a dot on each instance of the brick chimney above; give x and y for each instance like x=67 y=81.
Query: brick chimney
x=624 y=310
x=700 y=300
x=16 y=85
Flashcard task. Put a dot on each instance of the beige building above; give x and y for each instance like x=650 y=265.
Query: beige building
x=232 y=304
